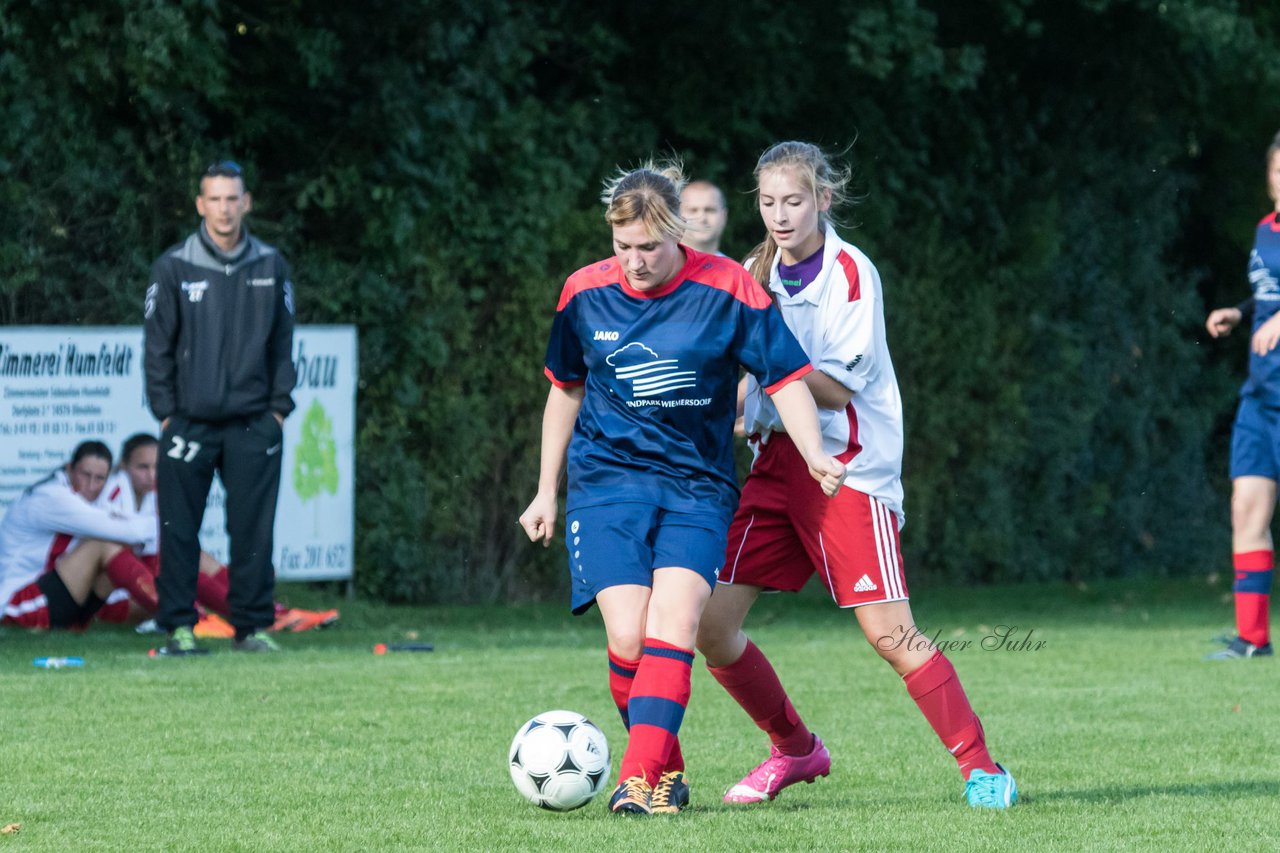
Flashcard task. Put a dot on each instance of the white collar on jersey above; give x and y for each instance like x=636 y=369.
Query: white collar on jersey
x=831 y=246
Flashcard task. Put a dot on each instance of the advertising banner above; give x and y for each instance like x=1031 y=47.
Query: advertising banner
x=61 y=385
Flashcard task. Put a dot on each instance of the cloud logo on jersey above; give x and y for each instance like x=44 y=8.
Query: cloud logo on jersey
x=1265 y=286
x=648 y=374
x=195 y=290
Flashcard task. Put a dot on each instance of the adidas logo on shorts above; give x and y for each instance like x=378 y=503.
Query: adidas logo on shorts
x=864 y=584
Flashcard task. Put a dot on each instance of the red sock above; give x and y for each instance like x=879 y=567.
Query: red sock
x=935 y=687
x=754 y=685
x=127 y=572
x=211 y=591
x=1252 y=589
x=659 y=695
x=622 y=673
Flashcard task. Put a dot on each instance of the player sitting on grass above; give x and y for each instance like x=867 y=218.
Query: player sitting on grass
x=130 y=491
x=61 y=556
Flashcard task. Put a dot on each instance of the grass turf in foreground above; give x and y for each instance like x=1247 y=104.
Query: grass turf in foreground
x=1120 y=736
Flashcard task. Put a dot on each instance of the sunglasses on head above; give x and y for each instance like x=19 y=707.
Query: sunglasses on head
x=224 y=169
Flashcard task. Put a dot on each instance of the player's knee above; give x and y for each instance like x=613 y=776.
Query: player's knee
x=902 y=658
x=1249 y=515
x=626 y=644
x=713 y=640
x=678 y=629
x=98 y=551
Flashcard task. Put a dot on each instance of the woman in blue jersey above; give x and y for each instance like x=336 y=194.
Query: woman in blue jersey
x=643 y=359
x=1255 y=436
x=830 y=295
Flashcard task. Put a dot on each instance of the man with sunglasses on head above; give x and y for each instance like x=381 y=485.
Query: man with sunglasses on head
x=219 y=374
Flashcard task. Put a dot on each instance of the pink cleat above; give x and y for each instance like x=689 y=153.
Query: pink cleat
x=778 y=771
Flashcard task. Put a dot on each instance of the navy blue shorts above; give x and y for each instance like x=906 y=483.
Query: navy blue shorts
x=1255 y=441
x=623 y=543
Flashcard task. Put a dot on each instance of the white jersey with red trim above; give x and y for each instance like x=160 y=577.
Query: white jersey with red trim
x=45 y=510
x=119 y=497
x=839 y=320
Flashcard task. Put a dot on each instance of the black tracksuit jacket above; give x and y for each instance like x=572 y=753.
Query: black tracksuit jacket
x=219 y=331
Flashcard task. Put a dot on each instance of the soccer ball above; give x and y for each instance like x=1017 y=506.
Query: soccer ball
x=559 y=760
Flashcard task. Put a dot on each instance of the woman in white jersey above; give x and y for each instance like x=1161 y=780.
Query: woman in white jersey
x=783 y=532
x=61 y=555
x=131 y=491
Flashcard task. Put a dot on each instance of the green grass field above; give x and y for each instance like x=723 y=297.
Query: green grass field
x=1120 y=736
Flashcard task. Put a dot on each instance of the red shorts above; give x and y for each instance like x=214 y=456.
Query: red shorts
x=786 y=530
x=27 y=608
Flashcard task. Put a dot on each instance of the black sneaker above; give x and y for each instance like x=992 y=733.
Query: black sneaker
x=1241 y=648
x=632 y=796
x=181 y=643
x=258 y=641
x=671 y=794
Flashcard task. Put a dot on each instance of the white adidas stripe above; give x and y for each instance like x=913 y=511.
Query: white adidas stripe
x=738 y=553
x=886 y=549
x=877 y=535
x=895 y=568
x=894 y=573
x=827 y=568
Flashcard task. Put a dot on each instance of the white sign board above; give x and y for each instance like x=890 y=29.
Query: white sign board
x=62 y=385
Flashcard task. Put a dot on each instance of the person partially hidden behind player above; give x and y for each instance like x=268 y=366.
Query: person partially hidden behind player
x=705 y=214
x=61 y=556
x=131 y=491
x=830 y=295
x=1255 y=436
x=643 y=360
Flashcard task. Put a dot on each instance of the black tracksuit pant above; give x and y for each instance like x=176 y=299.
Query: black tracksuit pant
x=246 y=452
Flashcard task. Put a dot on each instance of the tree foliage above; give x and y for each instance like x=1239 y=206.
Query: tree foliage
x=1054 y=193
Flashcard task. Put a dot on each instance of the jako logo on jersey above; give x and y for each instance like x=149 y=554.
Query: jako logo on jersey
x=606 y=336
x=195 y=290
x=149 y=306
x=648 y=374
x=854 y=363
x=262 y=282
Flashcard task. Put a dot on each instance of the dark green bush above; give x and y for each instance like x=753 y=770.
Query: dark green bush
x=1054 y=194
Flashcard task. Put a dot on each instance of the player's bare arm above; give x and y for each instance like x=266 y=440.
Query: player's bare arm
x=558 y=417
x=799 y=415
x=1222 y=320
x=827 y=392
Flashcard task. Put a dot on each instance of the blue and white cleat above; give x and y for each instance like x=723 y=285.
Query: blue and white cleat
x=991 y=790
x=1241 y=648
